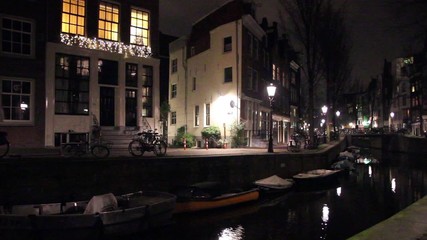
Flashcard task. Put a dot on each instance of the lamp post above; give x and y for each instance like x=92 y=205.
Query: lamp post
x=271 y=90
x=325 y=111
x=391 y=120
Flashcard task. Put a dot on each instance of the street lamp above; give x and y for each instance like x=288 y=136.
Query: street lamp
x=324 y=111
x=391 y=120
x=271 y=90
x=337 y=113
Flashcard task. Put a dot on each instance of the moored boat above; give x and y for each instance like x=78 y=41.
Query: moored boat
x=209 y=195
x=101 y=216
x=274 y=184
x=317 y=177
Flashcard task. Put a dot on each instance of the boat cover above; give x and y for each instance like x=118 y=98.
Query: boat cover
x=101 y=203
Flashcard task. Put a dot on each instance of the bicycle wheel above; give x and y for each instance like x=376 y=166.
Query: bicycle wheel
x=160 y=148
x=135 y=148
x=4 y=149
x=100 y=151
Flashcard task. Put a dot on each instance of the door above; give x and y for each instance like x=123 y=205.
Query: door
x=106 y=106
x=131 y=107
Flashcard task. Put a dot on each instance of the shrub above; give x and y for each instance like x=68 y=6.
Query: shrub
x=238 y=135
x=211 y=132
x=181 y=134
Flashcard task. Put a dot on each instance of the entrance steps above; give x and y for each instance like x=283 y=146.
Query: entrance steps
x=120 y=137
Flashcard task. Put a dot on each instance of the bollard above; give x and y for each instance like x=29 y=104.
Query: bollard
x=185 y=143
x=206 y=144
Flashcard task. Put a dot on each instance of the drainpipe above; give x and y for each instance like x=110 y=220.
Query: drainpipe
x=237 y=73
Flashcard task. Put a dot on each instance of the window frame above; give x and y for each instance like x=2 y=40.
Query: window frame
x=106 y=21
x=207 y=114
x=228 y=72
x=142 y=29
x=70 y=83
x=31 y=105
x=147 y=90
x=228 y=44
x=30 y=33
x=173 y=118
x=196 y=116
x=77 y=15
x=174 y=90
x=174 y=65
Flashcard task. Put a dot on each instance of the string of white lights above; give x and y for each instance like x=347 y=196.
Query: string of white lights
x=99 y=44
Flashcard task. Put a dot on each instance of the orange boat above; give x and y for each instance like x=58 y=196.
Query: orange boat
x=200 y=198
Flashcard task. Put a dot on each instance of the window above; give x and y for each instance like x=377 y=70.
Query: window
x=250 y=78
x=255 y=49
x=108 y=72
x=194 y=83
x=71 y=85
x=16 y=96
x=274 y=71
x=108 y=24
x=174 y=65
x=173 y=118
x=250 y=44
x=196 y=116
x=73 y=17
x=140 y=27
x=208 y=114
x=16 y=36
x=147 y=91
x=131 y=75
x=228 y=74
x=227 y=44
x=173 y=92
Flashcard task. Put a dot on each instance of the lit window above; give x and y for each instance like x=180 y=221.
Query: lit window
x=274 y=71
x=73 y=16
x=16 y=97
x=208 y=114
x=173 y=118
x=108 y=24
x=140 y=28
x=131 y=75
x=173 y=92
x=16 y=36
x=71 y=85
x=196 y=116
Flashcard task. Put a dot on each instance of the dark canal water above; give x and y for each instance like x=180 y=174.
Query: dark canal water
x=362 y=199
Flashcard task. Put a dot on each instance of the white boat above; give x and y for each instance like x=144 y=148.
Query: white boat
x=274 y=184
x=317 y=177
x=103 y=215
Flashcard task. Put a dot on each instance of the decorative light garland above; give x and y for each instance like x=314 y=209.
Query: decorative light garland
x=99 y=44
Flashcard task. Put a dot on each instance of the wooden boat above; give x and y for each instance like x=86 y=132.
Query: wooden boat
x=103 y=215
x=274 y=184
x=317 y=177
x=208 y=195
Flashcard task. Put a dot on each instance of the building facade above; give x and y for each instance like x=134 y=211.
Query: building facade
x=219 y=74
x=69 y=64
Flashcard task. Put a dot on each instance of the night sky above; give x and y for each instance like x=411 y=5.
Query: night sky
x=372 y=23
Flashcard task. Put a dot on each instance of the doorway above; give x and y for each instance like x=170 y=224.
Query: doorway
x=131 y=107
x=106 y=106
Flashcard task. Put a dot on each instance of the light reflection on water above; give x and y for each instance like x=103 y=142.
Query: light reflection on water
x=362 y=199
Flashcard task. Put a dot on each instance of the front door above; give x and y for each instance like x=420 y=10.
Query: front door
x=131 y=107
x=106 y=106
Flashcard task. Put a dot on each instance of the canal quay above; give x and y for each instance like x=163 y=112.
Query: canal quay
x=41 y=175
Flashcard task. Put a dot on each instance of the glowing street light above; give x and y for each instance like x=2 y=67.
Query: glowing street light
x=324 y=111
x=391 y=120
x=271 y=91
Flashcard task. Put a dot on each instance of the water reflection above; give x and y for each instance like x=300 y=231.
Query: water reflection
x=232 y=233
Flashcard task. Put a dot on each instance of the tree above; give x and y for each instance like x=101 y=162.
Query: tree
x=320 y=32
x=334 y=44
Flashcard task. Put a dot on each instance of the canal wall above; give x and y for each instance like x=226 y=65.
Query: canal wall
x=390 y=142
x=63 y=179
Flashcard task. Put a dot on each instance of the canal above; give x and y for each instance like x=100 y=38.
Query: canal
x=363 y=198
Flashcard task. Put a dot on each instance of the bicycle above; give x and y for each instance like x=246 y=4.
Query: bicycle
x=148 y=140
x=78 y=149
x=4 y=144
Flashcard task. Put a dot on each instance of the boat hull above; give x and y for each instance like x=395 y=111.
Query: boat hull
x=224 y=200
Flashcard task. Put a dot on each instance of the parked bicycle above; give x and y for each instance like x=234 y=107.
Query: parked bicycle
x=147 y=141
x=4 y=144
x=98 y=149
